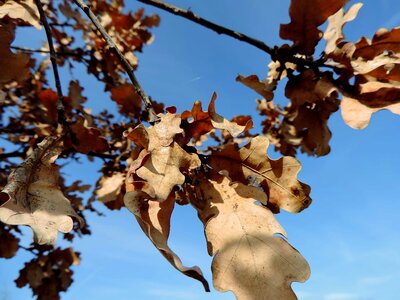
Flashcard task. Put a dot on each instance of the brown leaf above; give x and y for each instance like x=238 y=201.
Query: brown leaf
x=88 y=138
x=127 y=98
x=9 y=243
x=163 y=160
x=22 y=10
x=278 y=178
x=75 y=94
x=382 y=41
x=17 y=65
x=306 y=16
x=154 y=218
x=335 y=25
x=48 y=275
x=32 y=196
x=163 y=169
x=221 y=123
x=314 y=99
x=248 y=259
x=111 y=190
x=263 y=88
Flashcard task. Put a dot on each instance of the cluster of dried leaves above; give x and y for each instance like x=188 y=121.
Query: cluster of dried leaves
x=361 y=78
x=233 y=184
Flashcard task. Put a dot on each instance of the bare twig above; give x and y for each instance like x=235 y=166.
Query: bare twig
x=74 y=52
x=12 y=154
x=126 y=65
x=53 y=57
x=187 y=14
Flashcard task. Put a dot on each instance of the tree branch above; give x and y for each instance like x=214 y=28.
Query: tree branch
x=53 y=57
x=74 y=52
x=128 y=68
x=187 y=14
x=12 y=154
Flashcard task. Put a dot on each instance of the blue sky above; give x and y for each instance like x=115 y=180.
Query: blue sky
x=349 y=234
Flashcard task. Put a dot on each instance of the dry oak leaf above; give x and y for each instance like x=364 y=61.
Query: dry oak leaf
x=32 y=196
x=24 y=10
x=248 y=259
x=334 y=32
x=154 y=218
x=127 y=98
x=17 y=65
x=163 y=169
x=357 y=114
x=278 y=178
x=383 y=40
x=88 y=138
x=110 y=191
x=220 y=122
x=9 y=243
x=165 y=159
x=306 y=16
x=201 y=123
x=263 y=87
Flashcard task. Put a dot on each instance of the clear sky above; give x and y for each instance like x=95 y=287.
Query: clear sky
x=350 y=233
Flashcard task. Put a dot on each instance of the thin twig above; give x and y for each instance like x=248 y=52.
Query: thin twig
x=74 y=52
x=12 y=154
x=53 y=57
x=187 y=14
x=126 y=65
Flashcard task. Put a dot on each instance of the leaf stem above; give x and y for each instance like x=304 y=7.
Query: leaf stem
x=126 y=65
x=53 y=57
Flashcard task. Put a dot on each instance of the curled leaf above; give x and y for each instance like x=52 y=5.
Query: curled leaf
x=154 y=218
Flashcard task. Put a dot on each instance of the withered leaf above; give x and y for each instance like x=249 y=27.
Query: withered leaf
x=9 y=243
x=248 y=259
x=88 y=138
x=335 y=25
x=263 y=88
x=32 y=196
x=221 y=123
x=357 y=114
x=154 y=218
x=110 y=191
x=127 y=98
x=163 y=168
x=306 y=16
x=383 y=40
x=278 y=178
x=17 y=65
x=24 y=10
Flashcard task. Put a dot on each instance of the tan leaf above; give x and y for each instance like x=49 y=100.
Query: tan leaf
x=306 y=16
x=17 y=65
x=335 y=25
x=163 y=169
x=201 y=123
x=154 y=218
x=278 y=178
x=248 y=259
x=357 y=114
x=24 y=10
x=220 y=122
x=32 y=196
x=88 y=138
x=110 y=190
x=263 y=88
